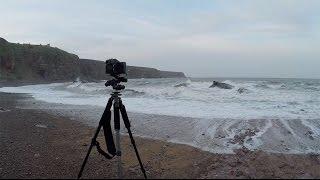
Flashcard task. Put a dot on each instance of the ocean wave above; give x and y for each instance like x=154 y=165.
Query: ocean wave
x=249 y=99
x=182 y=85
x=262 y=86
x=261 y=118
x=133 y=93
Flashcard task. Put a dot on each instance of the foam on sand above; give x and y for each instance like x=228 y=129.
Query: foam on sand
x=273 y=116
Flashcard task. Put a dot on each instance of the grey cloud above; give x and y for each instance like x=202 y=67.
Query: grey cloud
x=247 y=38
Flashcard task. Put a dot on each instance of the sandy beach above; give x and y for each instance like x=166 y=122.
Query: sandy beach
x=36 y=144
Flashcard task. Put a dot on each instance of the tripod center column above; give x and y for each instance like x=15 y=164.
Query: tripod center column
x=117 y=131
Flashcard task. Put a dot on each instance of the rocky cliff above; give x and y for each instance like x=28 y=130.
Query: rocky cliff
x=93 y=69
x=27 y=62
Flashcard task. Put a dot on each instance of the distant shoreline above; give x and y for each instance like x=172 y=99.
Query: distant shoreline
x=252 y=78
x=14 y=83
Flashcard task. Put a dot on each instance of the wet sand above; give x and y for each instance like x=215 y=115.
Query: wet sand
x=36 y=144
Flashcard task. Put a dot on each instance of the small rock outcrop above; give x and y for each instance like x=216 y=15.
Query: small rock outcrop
x=221 y=85
x=242 y=90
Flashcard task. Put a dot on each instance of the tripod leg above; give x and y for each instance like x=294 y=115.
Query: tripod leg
x=127 y=125
x=117 y=132
x=106 y=115
x=90 y=148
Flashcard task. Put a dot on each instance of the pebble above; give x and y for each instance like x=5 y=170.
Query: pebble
x=309 y=134
x=239 y=173
x=233 y=164
x=37 y=155
x=3 y=109
x=41 y=126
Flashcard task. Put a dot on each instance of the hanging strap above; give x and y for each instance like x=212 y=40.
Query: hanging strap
x=106 y=124
x=106 y=155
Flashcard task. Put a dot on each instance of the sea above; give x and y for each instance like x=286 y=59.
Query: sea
x=272 y=114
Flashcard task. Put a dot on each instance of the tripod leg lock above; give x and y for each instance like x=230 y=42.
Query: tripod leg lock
x=93 y=142
x=118 y=153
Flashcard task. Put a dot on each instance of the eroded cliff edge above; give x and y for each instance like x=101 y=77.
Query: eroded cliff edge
x=26 y=62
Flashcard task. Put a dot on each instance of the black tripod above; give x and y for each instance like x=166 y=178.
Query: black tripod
x=105 y=121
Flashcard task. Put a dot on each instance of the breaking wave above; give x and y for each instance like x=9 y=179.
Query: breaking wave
x=254 y=112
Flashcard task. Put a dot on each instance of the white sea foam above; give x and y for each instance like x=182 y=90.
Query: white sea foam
x=196 y=100
x=269 y=107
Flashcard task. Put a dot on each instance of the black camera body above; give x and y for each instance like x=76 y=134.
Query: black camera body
x=116 y=68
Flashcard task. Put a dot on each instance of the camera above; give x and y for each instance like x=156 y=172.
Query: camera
x=116 y=68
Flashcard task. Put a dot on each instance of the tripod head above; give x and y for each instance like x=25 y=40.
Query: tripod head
x=115 y=83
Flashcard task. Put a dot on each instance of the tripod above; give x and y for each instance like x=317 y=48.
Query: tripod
x=113 y=150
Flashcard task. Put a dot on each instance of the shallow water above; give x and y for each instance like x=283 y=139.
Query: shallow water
x=276 y=115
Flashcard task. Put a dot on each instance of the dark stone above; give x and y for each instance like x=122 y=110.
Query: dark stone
x=242 y=90
x=309 y=134
x=221 y=85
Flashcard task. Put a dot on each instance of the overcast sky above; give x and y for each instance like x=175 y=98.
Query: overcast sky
x=256 y=38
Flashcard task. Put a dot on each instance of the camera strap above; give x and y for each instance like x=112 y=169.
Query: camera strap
x=106 y=155
x=106 y=120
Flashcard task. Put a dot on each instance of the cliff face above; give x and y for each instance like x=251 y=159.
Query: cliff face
x=36 y=62
x=94 y=69
x=42 y=62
